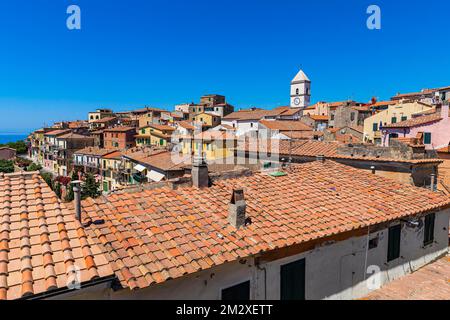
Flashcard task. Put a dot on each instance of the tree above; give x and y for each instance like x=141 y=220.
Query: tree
x=57 y=189
x=34 y=167
x=90 y=188
x=19 y=146
x=6 y=166
x=48 y=178
x=70 y=196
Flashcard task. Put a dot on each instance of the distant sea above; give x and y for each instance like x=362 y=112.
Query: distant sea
x=5 y=138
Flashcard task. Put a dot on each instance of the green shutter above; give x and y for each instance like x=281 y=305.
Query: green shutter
x=404 y=118
x=429 y=229
x=394 y=120
x=394 y=242
x=292 y=278
x=375 y=127
x=427 y=138
x=237 y=292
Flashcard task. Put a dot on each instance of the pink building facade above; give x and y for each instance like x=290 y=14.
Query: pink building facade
x=432 y=130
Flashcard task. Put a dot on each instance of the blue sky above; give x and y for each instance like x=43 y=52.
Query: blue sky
x=156 y=52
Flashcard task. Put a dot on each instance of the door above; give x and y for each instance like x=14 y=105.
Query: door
x=292 y=277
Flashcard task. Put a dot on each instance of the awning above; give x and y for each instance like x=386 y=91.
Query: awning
x=155 y=176
x=139 y=167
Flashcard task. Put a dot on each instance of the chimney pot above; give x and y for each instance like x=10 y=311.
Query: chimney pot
x=237 y=208
x=433 y=182
x=77 y=198
x=373 y=169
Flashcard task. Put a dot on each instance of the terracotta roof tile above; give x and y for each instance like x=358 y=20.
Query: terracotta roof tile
x=285 y=125
x=36 y=251
x=417 y=121
x=148 y=220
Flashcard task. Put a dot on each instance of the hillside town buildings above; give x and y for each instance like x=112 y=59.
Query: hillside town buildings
x=209 y=201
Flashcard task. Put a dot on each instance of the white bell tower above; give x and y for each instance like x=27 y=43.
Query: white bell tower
x=300 y=91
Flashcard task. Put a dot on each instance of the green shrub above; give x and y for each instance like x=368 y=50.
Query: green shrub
x=6 y=166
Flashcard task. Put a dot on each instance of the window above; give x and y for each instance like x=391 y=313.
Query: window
x=143 y=131
x=427 y=138
x=394 y=242
x=238 y=292
x=292 y=278
x=373 y=243
x=375 y=127
x=394 y=120
x=332 y=117
x=352 y=116
x=297 y=91
x=251 y=125
x=429 y=229
x=404 y=118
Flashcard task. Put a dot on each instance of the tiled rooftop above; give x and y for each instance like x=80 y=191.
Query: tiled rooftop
x=155 y=235
x=285 y=125
x=95 y=151
x=41 y=243
x=415 y=121
x=431 y=282
x=313 y=148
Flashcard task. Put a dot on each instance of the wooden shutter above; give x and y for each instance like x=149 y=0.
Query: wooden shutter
x=394 y=242
x=237 y=292
x=292 y=278
x=429 y=229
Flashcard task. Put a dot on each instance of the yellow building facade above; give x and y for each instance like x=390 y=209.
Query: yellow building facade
x=393 y=114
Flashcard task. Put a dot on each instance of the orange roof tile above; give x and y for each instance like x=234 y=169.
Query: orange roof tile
x=417 y=121
x=155 y=235
x=285 y=125
x=41 y=242
x=95 y=151
x=313 y=148
x=318 y=117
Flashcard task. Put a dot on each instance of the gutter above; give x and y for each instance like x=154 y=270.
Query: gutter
x=61 y=291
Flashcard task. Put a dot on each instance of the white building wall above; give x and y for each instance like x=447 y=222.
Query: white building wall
x=243 y=127
x=334 y=271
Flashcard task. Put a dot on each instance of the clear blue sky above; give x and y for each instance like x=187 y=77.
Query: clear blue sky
x=156 y=52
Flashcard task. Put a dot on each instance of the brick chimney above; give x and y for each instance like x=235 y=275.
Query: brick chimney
x=236 y=209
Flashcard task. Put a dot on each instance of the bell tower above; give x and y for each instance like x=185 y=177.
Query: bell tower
x=300 y=91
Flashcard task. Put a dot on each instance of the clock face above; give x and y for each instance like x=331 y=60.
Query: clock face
x=296 y=101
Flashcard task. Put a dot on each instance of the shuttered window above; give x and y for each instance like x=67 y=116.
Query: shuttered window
x=394 y=242
x=427 y=138
x=292 y=277
x=375 y=127
x=237 y=292
x=429 y=229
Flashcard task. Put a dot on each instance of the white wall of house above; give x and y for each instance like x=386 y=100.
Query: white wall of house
x=242 y=126
x=333 y=271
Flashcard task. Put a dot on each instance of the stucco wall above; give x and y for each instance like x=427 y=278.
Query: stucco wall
x=333 y=271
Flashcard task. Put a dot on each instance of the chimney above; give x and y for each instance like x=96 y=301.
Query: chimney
x=373 y=169
x=77 y=198
x=433 y=182
x=200 y=177
x=320 y=158
x=236 y=209
x=445 y=110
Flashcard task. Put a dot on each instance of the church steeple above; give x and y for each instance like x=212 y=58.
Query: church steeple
x=300 y=90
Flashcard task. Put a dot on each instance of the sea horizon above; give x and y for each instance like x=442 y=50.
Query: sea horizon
x=11 y=137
